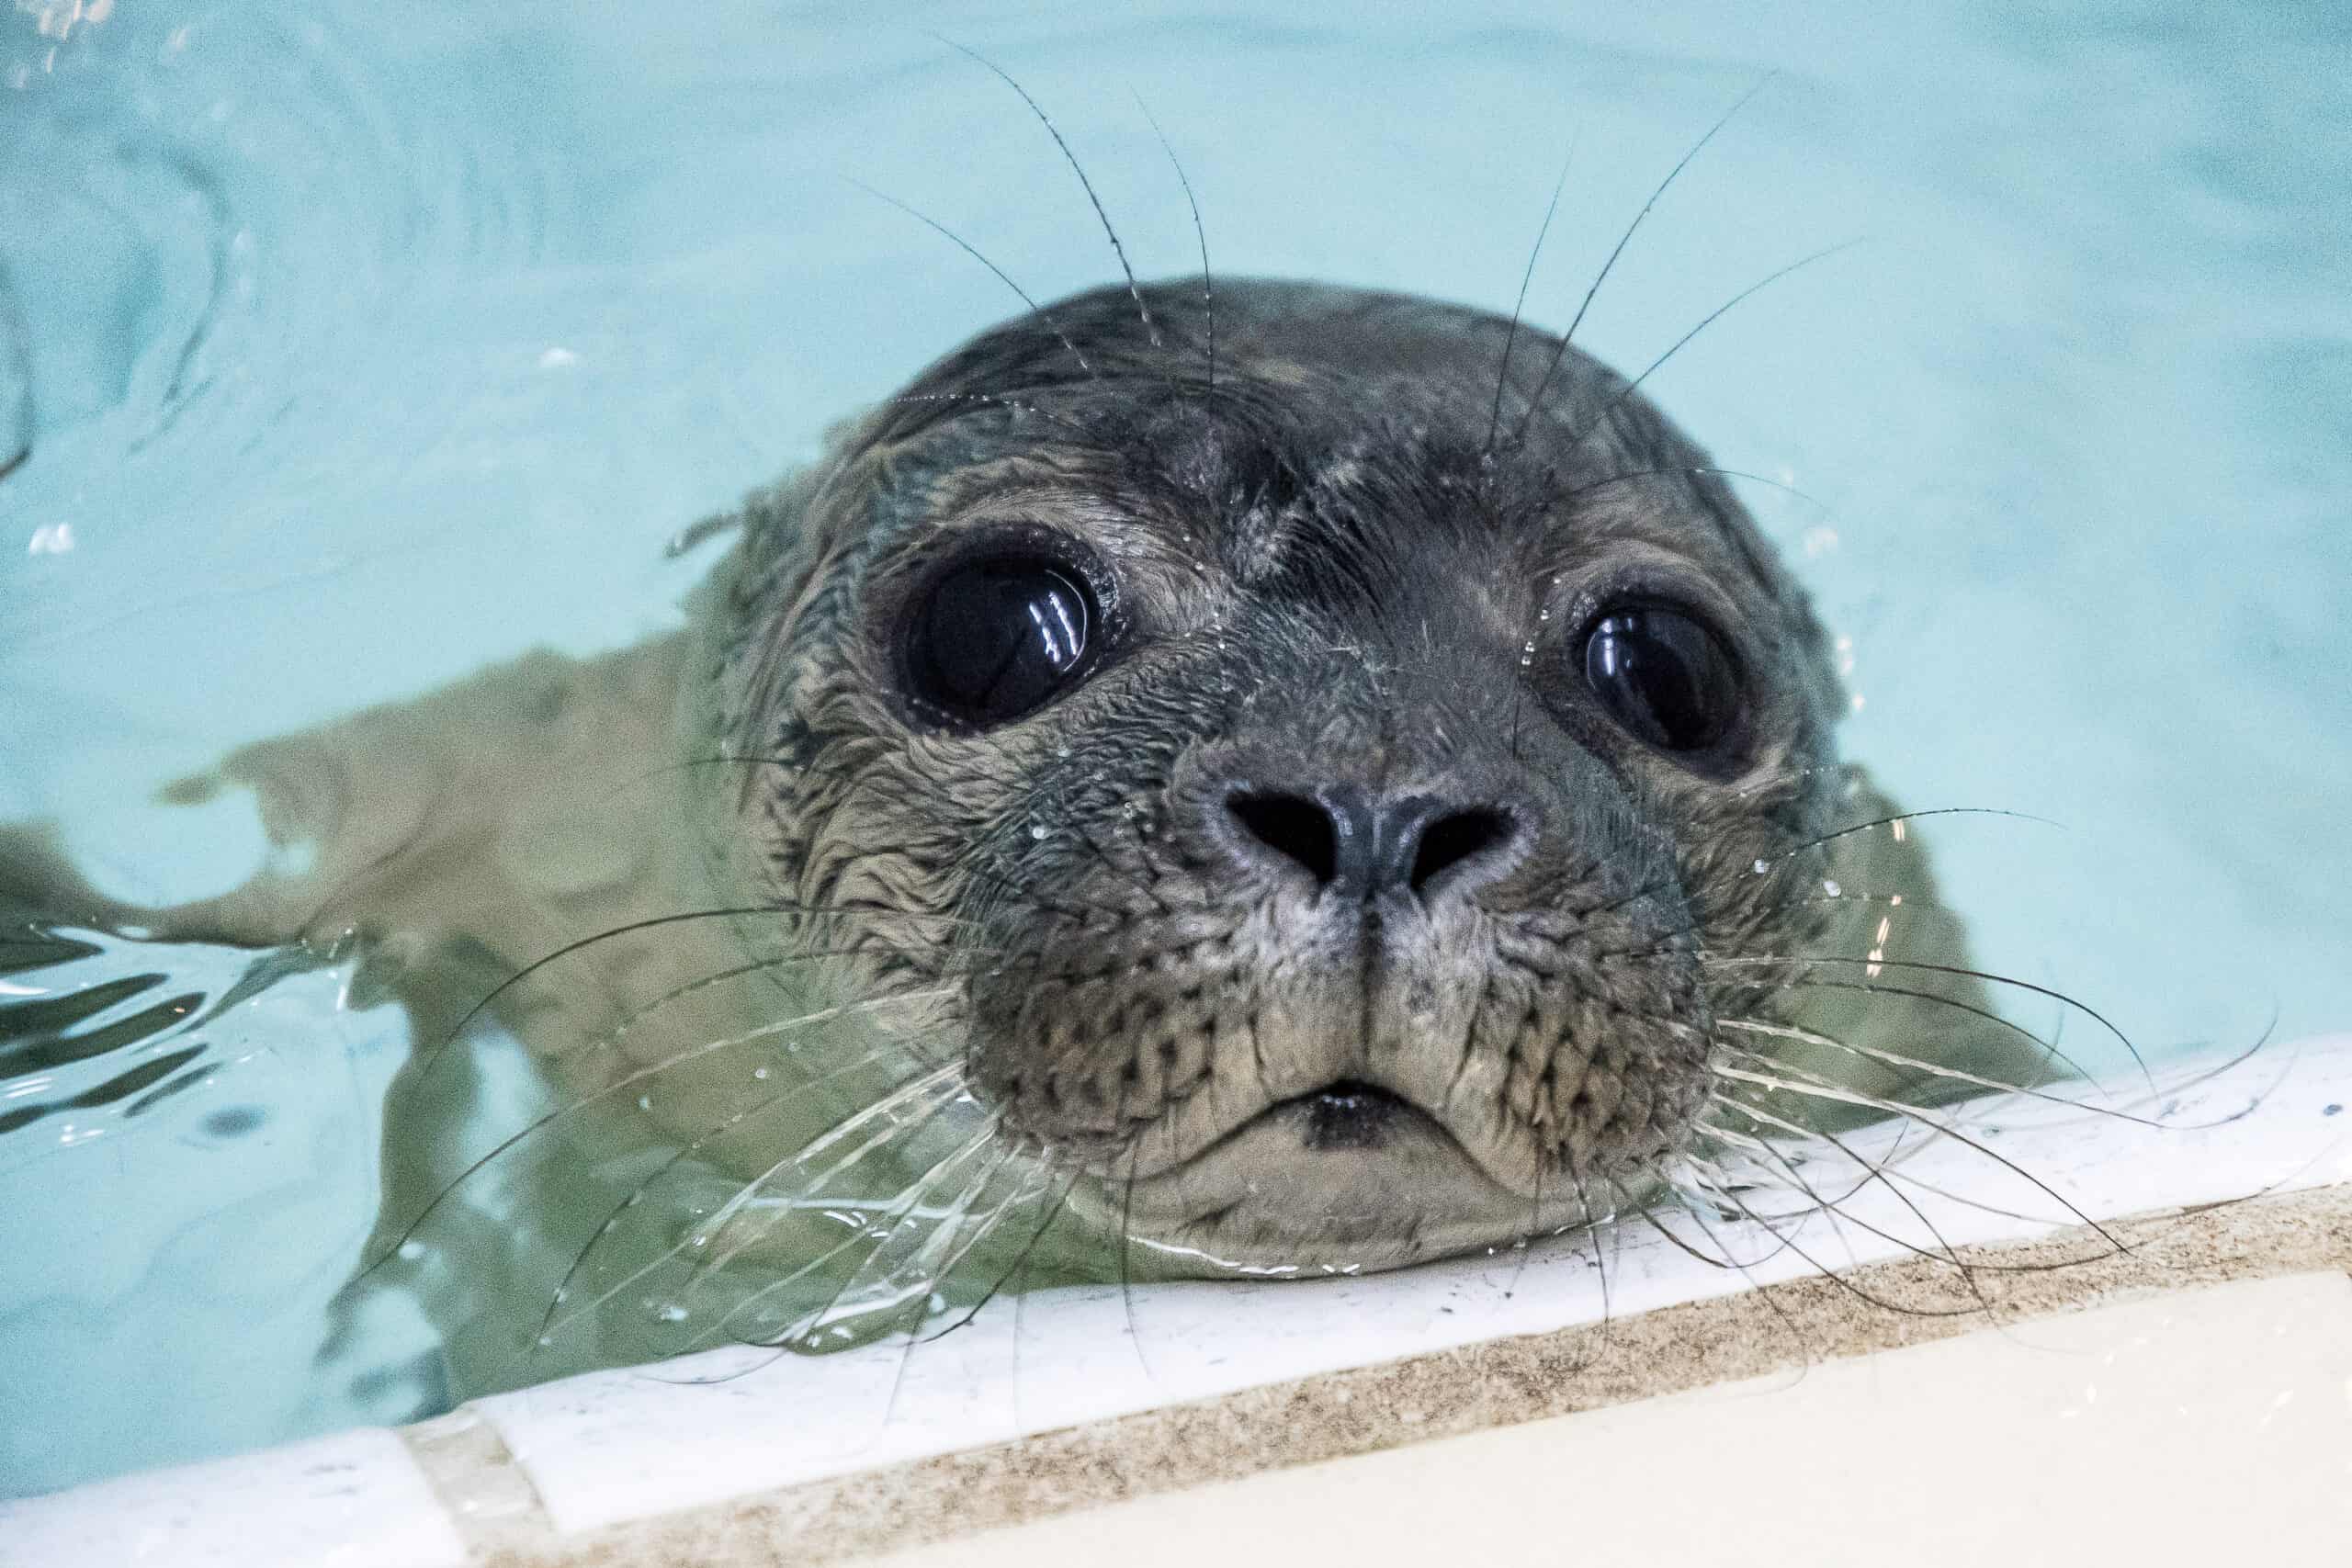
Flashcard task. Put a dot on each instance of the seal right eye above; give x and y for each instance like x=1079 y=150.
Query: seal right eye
x=994 y=638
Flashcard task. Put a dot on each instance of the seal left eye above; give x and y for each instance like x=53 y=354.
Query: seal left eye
x=1664 y=676
x=994 y=638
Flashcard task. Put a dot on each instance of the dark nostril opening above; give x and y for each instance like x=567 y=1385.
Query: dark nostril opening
x=1449 y=840
x=1293 y=827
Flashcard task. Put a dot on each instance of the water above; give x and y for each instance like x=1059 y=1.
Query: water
x=356 y=346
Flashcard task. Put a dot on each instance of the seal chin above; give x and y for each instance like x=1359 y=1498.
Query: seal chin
x=1346 y=1178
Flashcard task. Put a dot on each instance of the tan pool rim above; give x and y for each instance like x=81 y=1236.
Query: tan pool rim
x=489 y=1497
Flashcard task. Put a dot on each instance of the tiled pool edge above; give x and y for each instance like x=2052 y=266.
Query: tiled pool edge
x=1333 y=1415
x=1189 y=1384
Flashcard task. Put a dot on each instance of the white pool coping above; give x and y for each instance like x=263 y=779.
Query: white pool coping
x=2151 y=1432
x=596 y=1453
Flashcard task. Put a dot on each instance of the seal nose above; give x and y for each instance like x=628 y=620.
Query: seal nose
x=1356 y=847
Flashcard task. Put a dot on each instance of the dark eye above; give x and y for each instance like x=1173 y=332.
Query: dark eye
x=1663 y=675
x=995 y=637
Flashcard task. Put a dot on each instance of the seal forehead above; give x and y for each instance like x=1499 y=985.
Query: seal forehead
x=1283 y=404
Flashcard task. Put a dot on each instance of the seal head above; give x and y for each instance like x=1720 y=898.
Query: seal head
x=1294 y=755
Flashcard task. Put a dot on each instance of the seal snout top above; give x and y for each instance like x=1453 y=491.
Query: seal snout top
x=1355 y=846
x=1331 y=767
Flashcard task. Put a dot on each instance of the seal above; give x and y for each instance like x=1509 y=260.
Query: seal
x=1277 y=781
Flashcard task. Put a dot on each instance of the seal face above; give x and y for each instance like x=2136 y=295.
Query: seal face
x=1303 y=764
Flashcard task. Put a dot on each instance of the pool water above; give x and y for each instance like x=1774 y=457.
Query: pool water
x=345 y=348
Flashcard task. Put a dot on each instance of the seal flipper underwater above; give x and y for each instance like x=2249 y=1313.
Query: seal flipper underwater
x=1101 y=869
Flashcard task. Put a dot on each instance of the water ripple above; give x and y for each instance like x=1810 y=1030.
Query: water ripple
x=201 y=221
x=86 y=1026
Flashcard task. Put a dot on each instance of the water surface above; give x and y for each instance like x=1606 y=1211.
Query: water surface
x=345 y=348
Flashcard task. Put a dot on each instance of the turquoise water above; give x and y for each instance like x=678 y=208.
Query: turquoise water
x=353 y=346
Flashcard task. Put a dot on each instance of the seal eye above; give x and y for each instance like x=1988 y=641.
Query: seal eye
x=992 y=638
x=1664 y=676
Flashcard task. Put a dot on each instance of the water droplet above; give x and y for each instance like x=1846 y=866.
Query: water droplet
x=645 y=1102
x=671 y=1312
x=1762 y=867
x=759 y=1072
x=1830 y=886
x=546 y=1339
x=1037 y=832
x=410 y=1251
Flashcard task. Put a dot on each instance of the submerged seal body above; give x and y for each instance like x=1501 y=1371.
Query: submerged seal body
x=1293 y=780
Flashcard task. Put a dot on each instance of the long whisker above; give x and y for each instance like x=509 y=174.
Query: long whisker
x=636 y=1196
x=919 y=1298
x=1208 y=290
x=1946 y=1256
x=941 y=1085
x=1843 y=1283
x=650 y=923
x=1913 y=1064
x=1794 y=1081
x=1720 y=1197
x=1885 y=1172
x=1525 y=1246
x=1760 y=1151
x=1676 y=470
x=1518 y=306
x=1897 y=821
x=1730 y=962
x=972 y=251
x=1626 y=393
x=906 y=1263
x=1594 y=1224
x=1143 y=311
x=1536 y=399
x=1019 y=1264
x=1788 y=1319
x=652 y=1070
x=1127 y=1246
x=910 y=1199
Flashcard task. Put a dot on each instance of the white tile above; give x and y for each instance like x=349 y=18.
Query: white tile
x=354 y=1500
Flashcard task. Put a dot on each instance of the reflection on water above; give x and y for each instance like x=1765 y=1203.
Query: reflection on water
x=87 y=1048
x=345 y=348
x=187 y=1164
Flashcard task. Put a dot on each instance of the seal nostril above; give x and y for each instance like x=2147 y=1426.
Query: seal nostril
x=1297 y=828
x=1451 y=839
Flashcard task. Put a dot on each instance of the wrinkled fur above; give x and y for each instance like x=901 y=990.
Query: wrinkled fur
x=1330 y=564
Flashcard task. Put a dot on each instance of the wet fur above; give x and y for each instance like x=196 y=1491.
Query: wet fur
x=733 y=894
